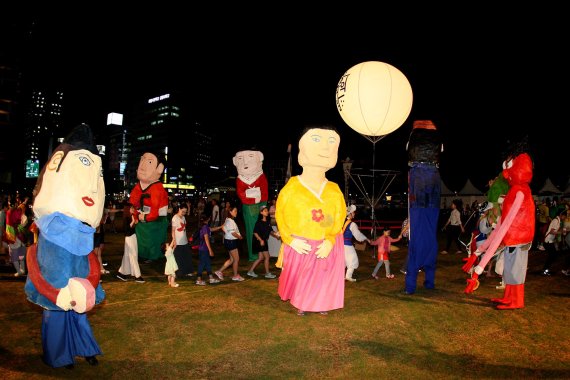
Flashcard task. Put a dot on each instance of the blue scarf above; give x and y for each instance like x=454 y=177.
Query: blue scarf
x=69 y=233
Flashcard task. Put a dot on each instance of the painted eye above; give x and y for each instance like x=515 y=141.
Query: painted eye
x=332 y=140
x=507 y=164
x=85 y=161
x=316 y=138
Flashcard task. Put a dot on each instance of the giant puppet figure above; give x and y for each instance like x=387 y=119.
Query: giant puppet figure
x=310 y=214
x=515 y=231
x=150 y=199
x=63 y=268
x=424 y=148
x=251 y=188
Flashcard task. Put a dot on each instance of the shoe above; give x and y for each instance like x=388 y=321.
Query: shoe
x=17 y=274
x=175 y=285
x=202 y=283
x=390 y=276
x=122 y=277
x=546 y=273
x=270 y=275
x=405 y=293
x=105 y=271
x=190 y=275
x=323 y=312
x=403 y=271
x=459 y=252
x=565 y=272
x=375 y=277
x=92 y=360
x=300 y=313
x=140 y=280
x=237 y=278
x=541 y=248
x=252 y=274
x=443 y=252
x=104 y=264
x=350 y=279
x=214 y=281
x=220 y=275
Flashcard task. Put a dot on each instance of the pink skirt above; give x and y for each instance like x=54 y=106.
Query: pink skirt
x=313 y=284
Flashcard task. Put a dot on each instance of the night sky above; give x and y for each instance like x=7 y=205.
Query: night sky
x=484 y=80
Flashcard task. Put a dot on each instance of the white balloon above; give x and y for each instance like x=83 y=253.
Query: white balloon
x=374 y=98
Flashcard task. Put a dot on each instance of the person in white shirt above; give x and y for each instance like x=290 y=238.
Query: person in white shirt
x=231 y=238
x=549 y=241
x=455 y=226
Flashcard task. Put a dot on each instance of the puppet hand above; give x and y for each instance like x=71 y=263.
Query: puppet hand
x=324 y=249
x=82 y=294
x=472 y=283
x=469 y=263
x=64 y=298
x=257 y=200
x=300 y=246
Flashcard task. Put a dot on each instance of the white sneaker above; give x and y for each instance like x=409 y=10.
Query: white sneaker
x=541 y=248
x=214 y=281
x=252 y=274
x=237 y=278
x=270 y=275
x=350 y=279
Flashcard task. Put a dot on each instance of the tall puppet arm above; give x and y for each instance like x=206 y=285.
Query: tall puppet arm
x=490 y=246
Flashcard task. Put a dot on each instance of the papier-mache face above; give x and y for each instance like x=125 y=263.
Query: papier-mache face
x=248 y=162
x=73 y=185
x=149 y=169
x=319 y=148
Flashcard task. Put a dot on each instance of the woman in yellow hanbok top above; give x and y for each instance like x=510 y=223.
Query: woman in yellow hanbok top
x=310 y=213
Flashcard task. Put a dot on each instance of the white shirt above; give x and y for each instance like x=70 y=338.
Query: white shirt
x=554 y=225
x=179 y=227
x=229 y=227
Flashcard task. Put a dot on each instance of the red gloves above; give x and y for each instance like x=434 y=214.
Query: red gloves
x=472 y=284
x=469 y=263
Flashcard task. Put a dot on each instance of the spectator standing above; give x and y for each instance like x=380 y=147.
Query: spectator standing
x=455 y=227
x=130 y=264
x=182 y=251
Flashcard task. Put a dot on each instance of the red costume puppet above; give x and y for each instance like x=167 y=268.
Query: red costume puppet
x=515 y=231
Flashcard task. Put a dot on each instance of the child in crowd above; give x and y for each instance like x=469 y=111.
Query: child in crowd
x=171 y=267
x=384 y=242
x=261 y=233
x=205 y=251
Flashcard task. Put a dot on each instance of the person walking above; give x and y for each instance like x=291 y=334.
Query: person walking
x=384 y=243
x=182 y=251
x=205 y=252
x=455 y=227
x=261 y=232
x=231 y=238
x=350 y=230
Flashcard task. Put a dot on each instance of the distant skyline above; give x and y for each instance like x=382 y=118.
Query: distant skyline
x=258 y=81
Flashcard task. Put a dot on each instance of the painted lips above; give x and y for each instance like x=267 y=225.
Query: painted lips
x=88 y=201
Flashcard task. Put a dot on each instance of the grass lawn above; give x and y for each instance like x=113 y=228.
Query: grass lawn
x=244 y=331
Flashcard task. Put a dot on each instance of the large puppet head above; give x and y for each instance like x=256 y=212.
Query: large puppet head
x=517 y=170
x=72 y=180
x=150 y=169
x=248 y=163
x=318 y=147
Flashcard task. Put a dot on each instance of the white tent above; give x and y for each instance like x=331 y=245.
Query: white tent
x=446 y=196
x=469 y=194
x=549 y=189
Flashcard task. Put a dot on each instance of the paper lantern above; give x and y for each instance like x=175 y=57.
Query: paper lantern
x=374 y=98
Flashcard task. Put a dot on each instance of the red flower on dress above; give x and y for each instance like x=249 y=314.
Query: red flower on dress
x=318 y=215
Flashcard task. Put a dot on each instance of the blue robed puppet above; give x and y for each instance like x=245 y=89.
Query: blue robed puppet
x=63 y=269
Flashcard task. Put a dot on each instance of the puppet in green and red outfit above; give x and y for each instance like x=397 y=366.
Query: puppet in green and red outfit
x=150 y=199
x=252 y=190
